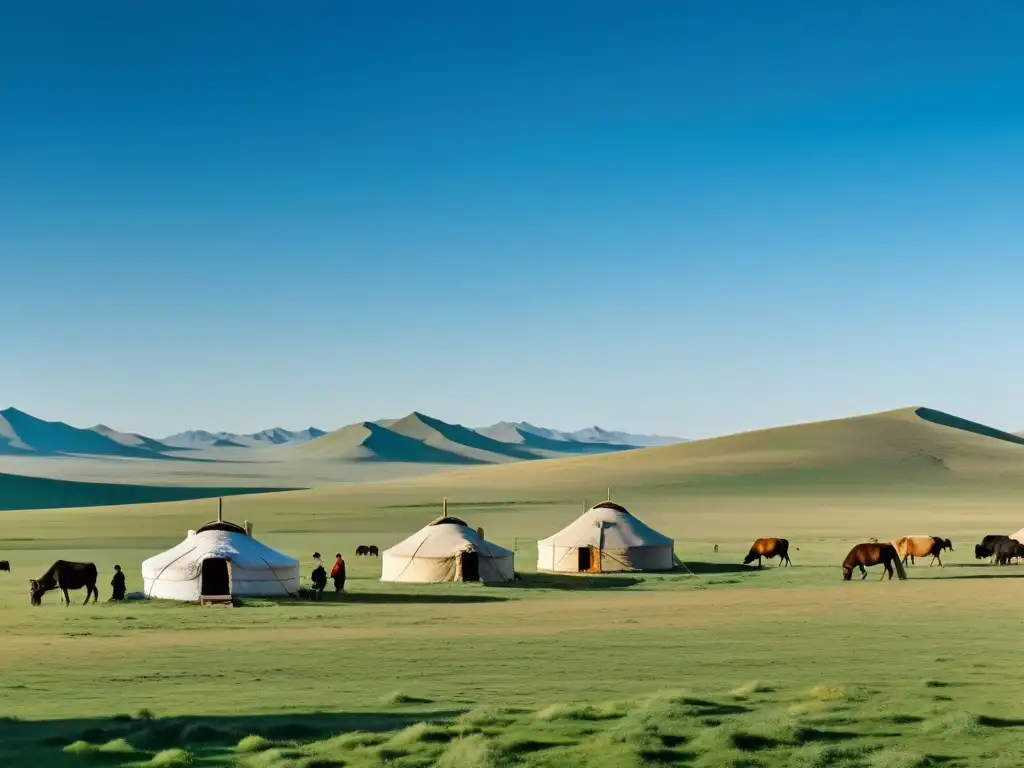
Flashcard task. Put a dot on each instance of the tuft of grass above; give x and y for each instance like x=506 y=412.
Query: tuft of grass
x=253 y=743
x=171 y=758
x=897 y=757
x=827 y=692
x=475 y=751
x=578 y=712
x=398 y=699
x=745 y=691
x=118 y=747
x=960 y=723
x=487 y=716
x=827 y=756
x=418 y=734
x=81 y=748
x=269 y=758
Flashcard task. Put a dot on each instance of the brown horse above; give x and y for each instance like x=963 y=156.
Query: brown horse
x=873 y=554
x=910 y=547
x=769 y=548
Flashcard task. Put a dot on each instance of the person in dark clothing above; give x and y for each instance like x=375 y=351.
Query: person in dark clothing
x=118 y=584
x=319 y=577
x=338 y=573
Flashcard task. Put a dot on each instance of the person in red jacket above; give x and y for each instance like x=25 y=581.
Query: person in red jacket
x=338 y=573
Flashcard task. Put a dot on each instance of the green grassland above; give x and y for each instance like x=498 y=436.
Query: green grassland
x=714 y=664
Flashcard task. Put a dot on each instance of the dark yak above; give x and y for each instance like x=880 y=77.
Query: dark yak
x=65 y=575
x=5 y=566
x=770 y=547
x=373 y=551
x=1007 y=550
x=988 y=545
x=873 y=554
x=362 y=549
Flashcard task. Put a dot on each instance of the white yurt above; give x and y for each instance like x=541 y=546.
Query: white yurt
x=447 y=550
x=218 y=562
x=1018 y=536
x=604 y=539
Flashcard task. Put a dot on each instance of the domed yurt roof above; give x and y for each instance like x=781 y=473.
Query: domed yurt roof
x=620 y=542
x=438 y=552
x=220 y=559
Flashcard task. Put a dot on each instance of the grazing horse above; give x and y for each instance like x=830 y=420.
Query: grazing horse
x=65 y=575
x=873 y=554
x=362 y=549
x=373 y=551
x=910 y=547
x=769 y=548
x=5 y=566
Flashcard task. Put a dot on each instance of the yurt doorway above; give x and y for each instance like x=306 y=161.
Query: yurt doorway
x=216 y=579
x=469 y=565
x=588 y=560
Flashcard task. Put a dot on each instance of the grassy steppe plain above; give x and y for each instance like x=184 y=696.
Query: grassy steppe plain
x=727 y=666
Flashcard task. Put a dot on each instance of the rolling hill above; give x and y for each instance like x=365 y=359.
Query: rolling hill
x=369 y=441
x=909 y=450
x=22 y=492
x=22 y=434
x=132 y=439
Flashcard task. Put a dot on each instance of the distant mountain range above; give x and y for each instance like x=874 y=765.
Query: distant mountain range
x=507 y=431
x=416 y=438
x=200 y=438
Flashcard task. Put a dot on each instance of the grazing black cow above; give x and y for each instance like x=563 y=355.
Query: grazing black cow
x=65 y=575
x=362 y=549
x=1007 y=550
x=5 y=566
x=372 y=550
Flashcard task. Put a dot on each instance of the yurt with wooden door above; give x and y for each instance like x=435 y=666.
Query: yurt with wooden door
x=447 y=549
x=217 y=563
x=606 y=539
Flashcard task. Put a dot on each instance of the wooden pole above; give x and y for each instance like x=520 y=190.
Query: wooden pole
x=609 y=493
x=220 y=509
x=444 y=507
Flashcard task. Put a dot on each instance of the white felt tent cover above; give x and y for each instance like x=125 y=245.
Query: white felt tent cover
x=1018 y=536
x=256 y=569
x=623 y=542
x=432 y=555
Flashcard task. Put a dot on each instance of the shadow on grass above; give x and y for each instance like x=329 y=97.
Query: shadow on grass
x=569 y=581
x=700 y=568
x=992 y=574
x=42 y=742
x=382 y=598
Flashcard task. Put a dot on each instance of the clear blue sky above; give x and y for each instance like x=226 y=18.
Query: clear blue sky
x=683 y=217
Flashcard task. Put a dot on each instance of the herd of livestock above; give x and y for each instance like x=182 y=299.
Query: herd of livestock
x=894 y=555
x=891 y=555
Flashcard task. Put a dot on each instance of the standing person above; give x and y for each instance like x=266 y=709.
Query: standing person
x=118 y=584
x=338 y=573
x=319 y=577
